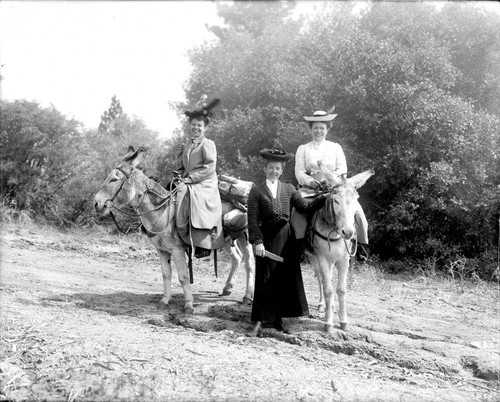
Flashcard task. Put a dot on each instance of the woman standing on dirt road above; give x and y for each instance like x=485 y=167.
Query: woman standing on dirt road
x=279 y=289
x=196 y=166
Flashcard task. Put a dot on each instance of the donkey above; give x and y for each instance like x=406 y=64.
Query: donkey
x=332 y=231
x=155 y=207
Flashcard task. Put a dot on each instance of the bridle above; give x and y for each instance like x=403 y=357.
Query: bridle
x=119 y=188
x=137 y=214
x=337 y=237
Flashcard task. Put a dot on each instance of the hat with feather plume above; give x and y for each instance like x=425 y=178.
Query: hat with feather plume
x=321 y=116
x=202 y=110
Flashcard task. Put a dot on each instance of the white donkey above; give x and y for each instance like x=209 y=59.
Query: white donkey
x=332 y=230
x=126 y=185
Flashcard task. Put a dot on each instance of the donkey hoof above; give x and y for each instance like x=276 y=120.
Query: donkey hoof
x=247 y=301
x=344 y=326
x=162 y=306
x=188 y=310
x=225 y=292
x=321 y=308
x=329 y=329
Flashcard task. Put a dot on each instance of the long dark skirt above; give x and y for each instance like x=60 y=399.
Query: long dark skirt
x=279 y=289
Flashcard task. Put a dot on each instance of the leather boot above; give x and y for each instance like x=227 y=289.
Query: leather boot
x=256 y=330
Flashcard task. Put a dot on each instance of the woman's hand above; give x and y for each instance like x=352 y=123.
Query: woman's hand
x=318 y=202
x=313 y=183
x=259 y=250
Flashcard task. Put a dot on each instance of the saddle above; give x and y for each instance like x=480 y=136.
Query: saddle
x=231 y=224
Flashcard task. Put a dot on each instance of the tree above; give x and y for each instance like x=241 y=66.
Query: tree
x=109 y=117
x=251 y=17
x=51 y=168
x=473 y=38
x=39 y=156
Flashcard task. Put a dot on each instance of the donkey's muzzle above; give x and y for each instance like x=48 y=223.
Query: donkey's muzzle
x=348 y=232
x=102 y=207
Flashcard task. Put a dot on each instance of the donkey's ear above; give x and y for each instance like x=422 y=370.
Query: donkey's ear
x=360 y=179
x=139 y=155
x=332 y=178
x=130 y=152
x=134 y=157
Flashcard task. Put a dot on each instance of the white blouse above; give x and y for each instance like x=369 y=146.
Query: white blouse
x=273 y=187
x=329 y=153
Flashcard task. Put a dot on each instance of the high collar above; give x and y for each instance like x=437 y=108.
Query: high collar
x=318 y=144
x=196 y=141
x=272 y=187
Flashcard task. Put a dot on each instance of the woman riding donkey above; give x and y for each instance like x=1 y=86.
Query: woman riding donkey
x=279 y=289
x=307 y=171
x=199 y=210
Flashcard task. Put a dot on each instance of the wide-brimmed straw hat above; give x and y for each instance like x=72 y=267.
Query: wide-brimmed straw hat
x=204 y=111
x=275 y=154
x=321 y=116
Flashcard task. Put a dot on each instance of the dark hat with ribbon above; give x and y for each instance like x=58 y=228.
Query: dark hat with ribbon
x=202 y=112
x=321 y=116
x=275 y=154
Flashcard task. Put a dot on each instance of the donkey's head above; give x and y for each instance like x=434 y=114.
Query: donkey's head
x=125 y=185
x=338 y=212
x=341 y=203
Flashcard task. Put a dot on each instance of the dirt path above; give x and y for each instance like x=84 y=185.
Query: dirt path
x=79 y=322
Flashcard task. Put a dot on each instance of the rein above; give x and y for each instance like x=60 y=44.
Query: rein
x=165 y=201
x=329 y=240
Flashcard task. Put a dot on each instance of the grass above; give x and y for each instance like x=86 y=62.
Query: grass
x=13 y=216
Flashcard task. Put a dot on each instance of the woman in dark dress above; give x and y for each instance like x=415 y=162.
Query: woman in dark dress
x=279 y=290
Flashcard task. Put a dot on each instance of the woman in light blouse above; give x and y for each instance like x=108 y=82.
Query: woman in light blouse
x=309 y=176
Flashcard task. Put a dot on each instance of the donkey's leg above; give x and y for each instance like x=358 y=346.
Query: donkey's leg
x=248 y=258
x=166 y=273
x=235 y=263
x=321 y=301
x=179 y=256
x=343 y=268
x=325 y=271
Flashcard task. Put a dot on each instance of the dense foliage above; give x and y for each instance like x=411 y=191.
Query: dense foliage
x=51 y=168
x=416 y=89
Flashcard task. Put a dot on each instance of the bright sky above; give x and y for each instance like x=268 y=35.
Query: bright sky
x=77 y=55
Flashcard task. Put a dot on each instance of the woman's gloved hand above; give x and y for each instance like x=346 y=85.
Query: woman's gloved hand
x=318 y=202
x=313 y=183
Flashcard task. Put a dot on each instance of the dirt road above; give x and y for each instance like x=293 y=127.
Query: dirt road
x=79 y=322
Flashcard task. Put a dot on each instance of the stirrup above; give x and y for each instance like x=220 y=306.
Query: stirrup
x=200 y=252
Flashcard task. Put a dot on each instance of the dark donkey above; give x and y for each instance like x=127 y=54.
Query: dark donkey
x=126 y=185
